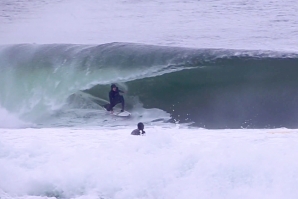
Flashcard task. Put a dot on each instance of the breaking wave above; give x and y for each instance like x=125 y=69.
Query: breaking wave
x=65 y=84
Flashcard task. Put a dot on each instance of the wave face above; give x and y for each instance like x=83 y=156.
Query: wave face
x=210 y=88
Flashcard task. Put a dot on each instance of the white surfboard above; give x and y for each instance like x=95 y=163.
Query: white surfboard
x=121 y=114
x=117 y=111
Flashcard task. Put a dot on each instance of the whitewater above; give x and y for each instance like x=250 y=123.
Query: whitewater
x=214 y=82
x=166 y=163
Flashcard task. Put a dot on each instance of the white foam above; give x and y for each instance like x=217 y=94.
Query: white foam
x=166 y=163
x=9 y=120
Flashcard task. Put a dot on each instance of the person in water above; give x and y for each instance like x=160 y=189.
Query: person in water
x=115 y=98
x=139 y=130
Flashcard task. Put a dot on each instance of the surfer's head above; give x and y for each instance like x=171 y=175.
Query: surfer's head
x=140 y=126
x=113 y=87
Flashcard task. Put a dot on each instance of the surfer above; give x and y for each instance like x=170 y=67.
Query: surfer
x=115 y=98
x=139 y=130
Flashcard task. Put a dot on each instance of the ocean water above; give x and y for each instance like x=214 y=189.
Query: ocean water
x=214 y=81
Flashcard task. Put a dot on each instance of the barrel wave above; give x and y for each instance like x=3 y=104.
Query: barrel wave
x=57 y=84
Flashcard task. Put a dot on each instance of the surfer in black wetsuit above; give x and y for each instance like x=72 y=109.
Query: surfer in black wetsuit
x=115 y=98
x=139 y=130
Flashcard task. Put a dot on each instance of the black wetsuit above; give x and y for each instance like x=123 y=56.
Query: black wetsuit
x=116 y=98
x=138 y=132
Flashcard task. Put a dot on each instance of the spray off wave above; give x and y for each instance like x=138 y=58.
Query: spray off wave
x=213 y=88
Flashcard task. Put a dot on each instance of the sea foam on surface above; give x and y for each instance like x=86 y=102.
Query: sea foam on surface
x=169 y=162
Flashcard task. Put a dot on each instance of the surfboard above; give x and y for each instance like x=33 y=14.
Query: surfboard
x=117 y=111
x=121 y=114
